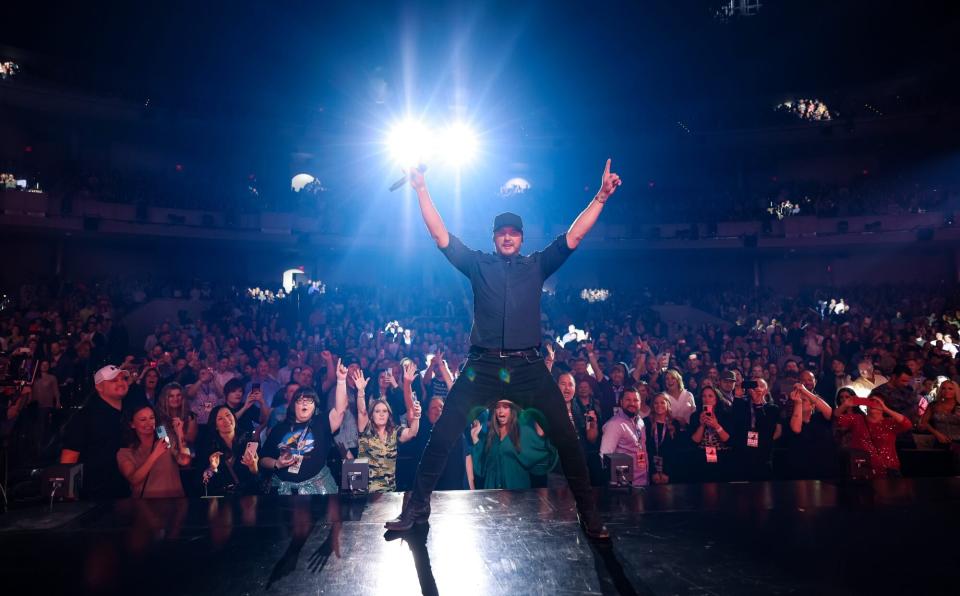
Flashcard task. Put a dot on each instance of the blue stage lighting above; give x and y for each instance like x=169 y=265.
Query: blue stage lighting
x=457 y=144
x=410 y=143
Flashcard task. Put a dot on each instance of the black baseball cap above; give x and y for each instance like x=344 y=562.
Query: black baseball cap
x=507 y=219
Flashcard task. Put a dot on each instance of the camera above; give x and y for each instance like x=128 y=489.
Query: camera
x=750 y=384
x=620 y=468
x=18 y=368
x=355 y=477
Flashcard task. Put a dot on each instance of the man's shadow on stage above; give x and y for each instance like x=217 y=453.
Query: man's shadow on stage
x=610 y=574
x=416 y=539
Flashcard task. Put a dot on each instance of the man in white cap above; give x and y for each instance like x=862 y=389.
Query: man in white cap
x=95 y=434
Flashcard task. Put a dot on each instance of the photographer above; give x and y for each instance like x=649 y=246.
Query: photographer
x=585 y=412
x=756 y=425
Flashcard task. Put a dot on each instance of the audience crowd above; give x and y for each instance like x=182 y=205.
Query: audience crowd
x=257 y=397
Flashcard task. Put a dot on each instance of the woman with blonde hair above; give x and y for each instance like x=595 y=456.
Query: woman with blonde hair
x=172 y=407
x=942 y=418
x=682 y=403
x=663 y=441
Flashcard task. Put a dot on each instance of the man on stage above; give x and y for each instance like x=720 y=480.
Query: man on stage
x=504 y=362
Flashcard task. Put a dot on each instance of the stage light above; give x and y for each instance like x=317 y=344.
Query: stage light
x=594 y=295
x=515 y=186
x=299 y=181
x=572 y=335
x=410 y=144
x=288 y=281
x=8 y=69
x=807 y=109
x=458 y=144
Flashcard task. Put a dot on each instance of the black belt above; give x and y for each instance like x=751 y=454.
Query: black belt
x=505 y=353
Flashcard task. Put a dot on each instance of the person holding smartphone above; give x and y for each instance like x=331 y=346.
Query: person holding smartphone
x=224 y=450
x=874 y=433
x=296 y=449
x=711 y=460
x=811 y=451
x=153 y=456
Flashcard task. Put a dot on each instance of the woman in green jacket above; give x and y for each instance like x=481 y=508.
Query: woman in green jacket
x=510 y=449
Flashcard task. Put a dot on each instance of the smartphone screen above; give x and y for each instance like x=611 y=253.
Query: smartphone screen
x=162 y=434
x=255 y=387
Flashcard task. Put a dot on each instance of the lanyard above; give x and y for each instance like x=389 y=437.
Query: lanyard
x=658 y=437
x=753 y=417
x=636 y=432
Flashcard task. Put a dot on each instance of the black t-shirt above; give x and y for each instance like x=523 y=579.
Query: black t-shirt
x=812 y=453
x=309 y=439
x=232 y=477
x=96 y=431
x=506 y=292
x=763 y=420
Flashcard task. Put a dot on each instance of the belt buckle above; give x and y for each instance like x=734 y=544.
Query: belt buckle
x=502 y=354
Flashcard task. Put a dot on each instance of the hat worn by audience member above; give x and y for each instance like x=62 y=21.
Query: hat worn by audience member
x=728 y=375
x=508 y=219
x=107 y=373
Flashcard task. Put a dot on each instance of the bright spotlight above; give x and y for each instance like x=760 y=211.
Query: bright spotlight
x=515 y=186
x=410 y=143
x=458 y=144
x=299 y=181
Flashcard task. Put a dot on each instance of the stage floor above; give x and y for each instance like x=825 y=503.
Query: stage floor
x=761 y=538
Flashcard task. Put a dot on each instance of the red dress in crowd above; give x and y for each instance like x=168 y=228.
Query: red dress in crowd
x=878 y=439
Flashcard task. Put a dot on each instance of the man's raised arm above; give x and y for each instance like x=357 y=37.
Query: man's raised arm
x=581 y=226
x=431 y=217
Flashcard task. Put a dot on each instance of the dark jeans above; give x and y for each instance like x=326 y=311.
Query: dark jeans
x=524 y=380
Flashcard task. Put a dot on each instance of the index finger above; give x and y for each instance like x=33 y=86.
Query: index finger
x=606 y=168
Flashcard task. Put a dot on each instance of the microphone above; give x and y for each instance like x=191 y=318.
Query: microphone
x=421 y=168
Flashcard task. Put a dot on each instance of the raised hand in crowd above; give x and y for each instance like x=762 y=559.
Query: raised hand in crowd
x=475 y=432
x=360 y=381
x=409 y=373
